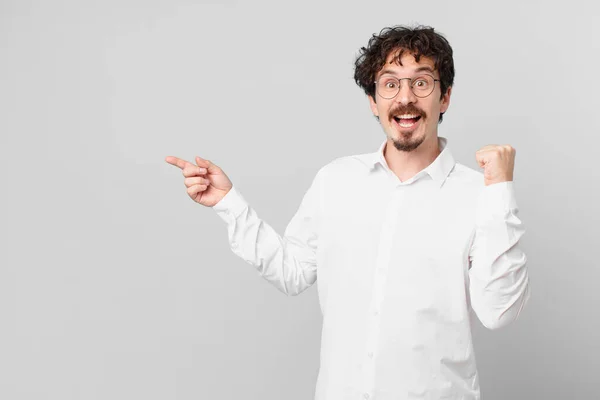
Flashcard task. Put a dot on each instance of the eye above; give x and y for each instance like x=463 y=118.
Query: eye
x=390 y=84
x=422 y=82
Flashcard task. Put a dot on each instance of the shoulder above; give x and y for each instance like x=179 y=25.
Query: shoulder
x=343 y=171
x=465 y=174
x=464 y=178
x=348 y=165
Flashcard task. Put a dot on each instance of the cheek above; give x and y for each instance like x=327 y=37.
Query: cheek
x=384 y=109
x=432 y=108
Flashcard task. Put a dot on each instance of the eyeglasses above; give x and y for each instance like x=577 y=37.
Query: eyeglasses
x=389 y=86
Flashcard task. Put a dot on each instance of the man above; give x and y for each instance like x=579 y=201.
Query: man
x=405 y=241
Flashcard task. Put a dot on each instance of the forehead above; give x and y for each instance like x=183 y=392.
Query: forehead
x=406 y=64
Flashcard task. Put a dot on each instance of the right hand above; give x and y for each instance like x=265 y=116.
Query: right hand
x=206 y=183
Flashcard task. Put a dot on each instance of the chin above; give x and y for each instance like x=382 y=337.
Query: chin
x=407 y=141
x=407 y=146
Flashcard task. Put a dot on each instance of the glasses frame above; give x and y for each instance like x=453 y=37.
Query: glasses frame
x=411 y=87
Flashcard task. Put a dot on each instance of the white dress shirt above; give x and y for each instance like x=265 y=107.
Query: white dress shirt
x=400 y=267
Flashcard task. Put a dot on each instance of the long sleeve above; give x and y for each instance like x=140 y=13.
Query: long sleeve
x=499 y=284
x=288 y=262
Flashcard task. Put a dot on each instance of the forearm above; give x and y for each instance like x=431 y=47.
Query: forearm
x=499 y=287
x=287 y=262
x=499 y=283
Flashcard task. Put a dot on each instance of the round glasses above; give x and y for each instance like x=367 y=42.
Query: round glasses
x=389 y=86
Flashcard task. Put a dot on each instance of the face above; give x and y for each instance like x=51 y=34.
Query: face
x=409 y=120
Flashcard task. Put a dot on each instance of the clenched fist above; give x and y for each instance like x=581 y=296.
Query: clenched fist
x=206 y=183
x=498 y=163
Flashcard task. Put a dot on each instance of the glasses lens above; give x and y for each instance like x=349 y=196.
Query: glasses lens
x=422 y=86
x=387 y=87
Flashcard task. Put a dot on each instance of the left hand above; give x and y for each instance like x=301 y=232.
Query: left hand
x=498 y=163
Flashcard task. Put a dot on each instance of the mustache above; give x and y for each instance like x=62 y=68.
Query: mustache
x=406 y=109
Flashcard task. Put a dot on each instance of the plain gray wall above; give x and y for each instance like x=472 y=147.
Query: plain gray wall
x=115 y=285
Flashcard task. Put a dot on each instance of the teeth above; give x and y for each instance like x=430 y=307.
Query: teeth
x=406 y=116
x=401 y=120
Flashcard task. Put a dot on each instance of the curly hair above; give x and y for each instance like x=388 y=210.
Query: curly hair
x=420 y=41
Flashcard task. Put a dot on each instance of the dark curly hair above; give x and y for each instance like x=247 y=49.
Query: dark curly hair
x=420 y=41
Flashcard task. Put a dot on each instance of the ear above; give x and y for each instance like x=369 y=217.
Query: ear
x=445 y=101
x=373 y=106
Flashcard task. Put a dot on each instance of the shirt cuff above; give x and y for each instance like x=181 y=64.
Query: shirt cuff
x=231 y=205
x=496 y=200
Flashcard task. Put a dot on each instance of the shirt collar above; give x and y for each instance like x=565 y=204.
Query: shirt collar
x=438 y=170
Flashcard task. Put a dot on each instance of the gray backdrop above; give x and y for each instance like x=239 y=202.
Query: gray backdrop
x=115 y=285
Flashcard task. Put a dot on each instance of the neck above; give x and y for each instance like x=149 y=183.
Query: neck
x=404 y=164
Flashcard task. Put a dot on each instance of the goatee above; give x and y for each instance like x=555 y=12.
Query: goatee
x=408 y=145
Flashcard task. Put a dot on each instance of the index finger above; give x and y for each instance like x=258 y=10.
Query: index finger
x=178 y=162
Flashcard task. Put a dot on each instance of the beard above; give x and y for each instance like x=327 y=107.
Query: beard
x=407 y=142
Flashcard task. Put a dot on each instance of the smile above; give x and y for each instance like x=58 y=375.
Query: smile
x=407 y=120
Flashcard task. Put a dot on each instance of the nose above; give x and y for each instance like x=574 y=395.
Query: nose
x=405 y=94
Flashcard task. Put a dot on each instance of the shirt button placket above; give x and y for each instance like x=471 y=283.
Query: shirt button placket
x=385 y=247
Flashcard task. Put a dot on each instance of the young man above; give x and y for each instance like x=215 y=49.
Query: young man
x=405 y=241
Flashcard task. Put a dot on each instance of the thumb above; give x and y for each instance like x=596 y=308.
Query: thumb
x=481 y=160
x=212 y=168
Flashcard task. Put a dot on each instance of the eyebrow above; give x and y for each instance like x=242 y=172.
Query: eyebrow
x=420 y=69
x=424 y=68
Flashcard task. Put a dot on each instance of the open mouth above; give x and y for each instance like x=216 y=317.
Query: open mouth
x=407 y=120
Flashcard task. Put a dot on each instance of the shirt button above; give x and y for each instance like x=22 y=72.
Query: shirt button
x=375 y=313
x=370 y=354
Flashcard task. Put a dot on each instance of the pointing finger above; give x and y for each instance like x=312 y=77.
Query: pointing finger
x=178 y=162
